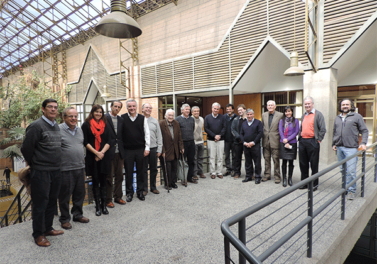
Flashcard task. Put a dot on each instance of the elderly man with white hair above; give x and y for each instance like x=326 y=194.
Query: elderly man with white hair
x=215 y=127
x=187 y=124
x=171 y=148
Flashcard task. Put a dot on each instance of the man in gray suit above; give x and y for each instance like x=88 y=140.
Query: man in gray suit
x=271 y=139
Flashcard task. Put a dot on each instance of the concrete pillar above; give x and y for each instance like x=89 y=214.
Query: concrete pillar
x=231 y=100
x=323 y=87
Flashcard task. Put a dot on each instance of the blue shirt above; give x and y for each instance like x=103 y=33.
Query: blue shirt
x=51 y=123
x=66 y=127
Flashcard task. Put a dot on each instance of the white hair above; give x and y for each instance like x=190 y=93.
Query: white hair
x=130 y=101
x=142 y=107
x=309 y=98
x=216 y=103
x=271 y=101
x=184 y=106
x=195 y=107
x=249 y=110
x=167 y=111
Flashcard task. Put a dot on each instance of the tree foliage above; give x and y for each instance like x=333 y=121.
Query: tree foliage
x=24 y=100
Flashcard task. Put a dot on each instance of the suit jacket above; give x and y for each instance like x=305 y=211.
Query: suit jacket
x=271 y=136
x=115 y=137
x=171 y=147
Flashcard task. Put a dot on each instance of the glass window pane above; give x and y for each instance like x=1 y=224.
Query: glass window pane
x=281 y=98
x=267 y=97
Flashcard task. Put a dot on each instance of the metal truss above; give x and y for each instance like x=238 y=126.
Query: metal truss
x=34 y=30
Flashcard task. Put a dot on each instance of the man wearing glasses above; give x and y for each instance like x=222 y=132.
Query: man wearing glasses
x=42 y=151
x=72 y=170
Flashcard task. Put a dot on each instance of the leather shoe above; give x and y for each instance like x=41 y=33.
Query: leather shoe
x=303 y=187
x=227 y=173
x=167 y=188
x=42 y=241
x=195 y=177
x=145 y=193
x=220 y=176
x=66 y=225
x=129 y=198
x=236 y=176
x=257 y=181
x=175 y=186
x=265 y=179
x=277 y=181
x=202 y=176
x=81 y=220
x=193 y=181
x=213 y=176
x=120 y=201
x=110 y=205
x=183 y=183
x=54 y=232
x=155 y=191
x=247 y=179
x=141 y=197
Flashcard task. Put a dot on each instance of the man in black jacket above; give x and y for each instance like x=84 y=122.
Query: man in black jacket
x=41 y=149
x=238 y=145
x=116 y=153
x=251 y=134
x=229 y=140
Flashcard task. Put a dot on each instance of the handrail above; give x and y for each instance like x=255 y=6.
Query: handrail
x=246 y=254
x=17 y=199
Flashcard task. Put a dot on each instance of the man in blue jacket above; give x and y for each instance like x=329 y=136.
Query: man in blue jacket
x=347 y=128
x=251 y=134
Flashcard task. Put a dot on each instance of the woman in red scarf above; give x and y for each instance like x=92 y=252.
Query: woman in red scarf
x=97 y=140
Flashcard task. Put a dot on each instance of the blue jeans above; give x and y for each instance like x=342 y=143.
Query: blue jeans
x=342 y=153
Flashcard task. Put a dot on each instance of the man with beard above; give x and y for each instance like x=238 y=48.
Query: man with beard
x=347 y=128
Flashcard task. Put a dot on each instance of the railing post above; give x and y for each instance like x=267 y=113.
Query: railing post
x=19 y=208
x=6 y=220
x=363 y=177
x=343 y=209
x=242 y=237
x=310 y=224
x=375 y=166
x=227 y=250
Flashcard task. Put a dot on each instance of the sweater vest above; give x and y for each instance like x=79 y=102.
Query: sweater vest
x=133 y=132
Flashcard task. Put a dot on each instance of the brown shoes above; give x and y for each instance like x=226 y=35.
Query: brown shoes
x=193 y=181
x=66 y=225
x=277 y=180
x=120 y=201
x=145 y=193
x=202 y=176
x=213 y=176
x=42 y=241
x=155 y=191
x=236 y=176
x=220 y=176
x=81 y=220
x=265 y=179
x=195 y=177
x=54 y=233
x=110 y=205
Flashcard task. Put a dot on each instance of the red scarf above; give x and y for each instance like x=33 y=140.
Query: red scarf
x=97 y=130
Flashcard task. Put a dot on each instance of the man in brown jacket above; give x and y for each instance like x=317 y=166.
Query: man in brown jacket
x=172 y=146
x=271 y=139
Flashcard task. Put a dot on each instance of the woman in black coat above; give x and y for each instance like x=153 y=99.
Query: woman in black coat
x=97 y=142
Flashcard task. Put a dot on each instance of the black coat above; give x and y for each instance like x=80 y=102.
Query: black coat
x=115 y=137
x=90 y=162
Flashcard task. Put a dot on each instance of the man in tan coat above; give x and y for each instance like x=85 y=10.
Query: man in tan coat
x=271 y=139
x=171 y=148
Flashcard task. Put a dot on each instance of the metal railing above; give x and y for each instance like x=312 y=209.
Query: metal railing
x=18 y=211
x=297 y=213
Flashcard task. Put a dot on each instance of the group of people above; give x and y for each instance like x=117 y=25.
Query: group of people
x=58 y=163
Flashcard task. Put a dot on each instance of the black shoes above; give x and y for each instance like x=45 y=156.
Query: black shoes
x=104 y=209
x=247 y=179
x=167 y=188
x=141 y=197
x=257 y=180
x=227 y=173
x=129 y=198
x=175 y=186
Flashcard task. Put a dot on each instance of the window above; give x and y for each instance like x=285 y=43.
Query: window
x=282 y=99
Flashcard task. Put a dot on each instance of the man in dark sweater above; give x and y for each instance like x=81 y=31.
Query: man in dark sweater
x=136 y=142
x=251 y=134
x=72 y=170
x=41 y=149
x=187 y=125
x=229 y=140
x=7 y=172
x=215 y=127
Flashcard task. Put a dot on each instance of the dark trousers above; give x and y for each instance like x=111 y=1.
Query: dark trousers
x=269 y=152
x=45 y=186
x=229 y=146
x=132 y=156
x=238 y=150
x=117 y=171
x=170 y=175
x=189 y=156
x=8 y=179
x=99 y=183
x=309 y=156
x=151 y=159
x=252 y=154
x=199 y=151
x=72 y=184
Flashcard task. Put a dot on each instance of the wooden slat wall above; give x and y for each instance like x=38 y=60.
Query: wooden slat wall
x=342 y=19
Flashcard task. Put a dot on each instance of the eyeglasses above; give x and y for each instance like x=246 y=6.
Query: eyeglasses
x=71 y=116
x=51 y=106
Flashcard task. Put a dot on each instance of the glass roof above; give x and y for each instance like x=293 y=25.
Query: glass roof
x=30 y=27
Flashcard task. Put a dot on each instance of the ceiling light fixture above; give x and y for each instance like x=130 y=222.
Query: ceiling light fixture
x=118 y=24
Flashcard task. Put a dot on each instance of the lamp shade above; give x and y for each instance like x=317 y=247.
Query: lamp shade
x=294 y=70
x=118 y=25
